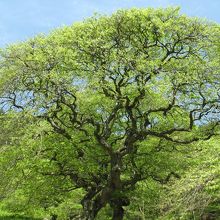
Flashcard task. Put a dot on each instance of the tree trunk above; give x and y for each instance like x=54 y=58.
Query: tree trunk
x=89 y=212
x=54 y=217
x=93 y=202
x=96 y=199
x=116 y=185
x=118 y=213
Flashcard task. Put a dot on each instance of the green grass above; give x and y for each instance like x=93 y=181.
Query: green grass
x=17 y=218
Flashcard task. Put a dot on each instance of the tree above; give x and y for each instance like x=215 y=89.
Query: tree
x=113 y=92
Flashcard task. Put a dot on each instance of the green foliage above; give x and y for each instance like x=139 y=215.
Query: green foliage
x=197 y=193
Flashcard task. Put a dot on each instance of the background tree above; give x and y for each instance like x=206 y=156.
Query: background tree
x=196 y=195
x=112 y=93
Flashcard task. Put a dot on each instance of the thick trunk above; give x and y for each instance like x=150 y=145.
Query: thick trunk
x=118 y=213
x=116 y=185
x=90 y=210
x=54 y=217
x=94 y=202
x=87 y=210
x=96 y=199
x=117 y=207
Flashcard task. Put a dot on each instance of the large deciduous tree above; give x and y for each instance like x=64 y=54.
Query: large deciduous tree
x=112 y=93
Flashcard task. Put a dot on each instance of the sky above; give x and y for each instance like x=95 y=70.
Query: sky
x=22 y=19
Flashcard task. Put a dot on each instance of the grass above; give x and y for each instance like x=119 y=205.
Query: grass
x=17 y=218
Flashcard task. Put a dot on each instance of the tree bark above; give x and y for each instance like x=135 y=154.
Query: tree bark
x=54 y=217
x=96 y=199
x=118 y=213
x=94 y=202
x=90 y=210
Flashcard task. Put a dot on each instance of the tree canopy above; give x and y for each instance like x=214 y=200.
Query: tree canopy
x=106 y=104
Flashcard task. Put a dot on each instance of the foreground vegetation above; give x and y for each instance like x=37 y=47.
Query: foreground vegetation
x=116 y=117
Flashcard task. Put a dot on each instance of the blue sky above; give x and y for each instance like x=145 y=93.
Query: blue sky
x=22 y=19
